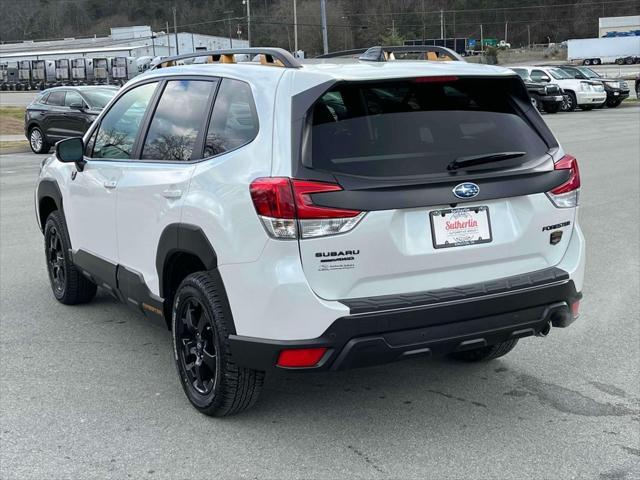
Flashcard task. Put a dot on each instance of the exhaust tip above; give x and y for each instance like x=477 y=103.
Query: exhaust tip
x=544 y=331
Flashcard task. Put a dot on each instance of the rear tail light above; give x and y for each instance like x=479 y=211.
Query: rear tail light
x=567 y=194
x=301 y=357
x=287 y=211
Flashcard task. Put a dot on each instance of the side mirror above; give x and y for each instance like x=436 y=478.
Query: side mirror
x=545 y=78
x=71 y=150
x=76 y=106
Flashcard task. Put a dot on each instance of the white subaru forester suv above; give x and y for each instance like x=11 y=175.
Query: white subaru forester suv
x=317 y=217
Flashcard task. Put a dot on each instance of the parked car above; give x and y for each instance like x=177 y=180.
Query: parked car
x=320 y=216
x=583 y=94
x=617 y=90
x=547 y=97
x=63 y=112
x=638 y=85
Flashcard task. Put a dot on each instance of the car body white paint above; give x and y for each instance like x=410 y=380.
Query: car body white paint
x=274 y=288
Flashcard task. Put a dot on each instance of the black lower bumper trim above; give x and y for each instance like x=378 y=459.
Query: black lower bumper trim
x=428 y=329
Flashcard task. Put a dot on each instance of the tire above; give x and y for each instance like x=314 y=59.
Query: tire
x=214 y=384
x=571 y=102
x=37 y=141
x=619 y=61
x=552 y=108
x=486 y=353
x=597 y=61
x=68 y=284
x=587 y=61
x=613 y=103
x=628 y=61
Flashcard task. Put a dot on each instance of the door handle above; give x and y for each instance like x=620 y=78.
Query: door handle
x=172 y=193
x=110 y=184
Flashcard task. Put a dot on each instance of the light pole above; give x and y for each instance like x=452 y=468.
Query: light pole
x=295 y=26
x=323 y=13
x=248 y=4
x=175 y=30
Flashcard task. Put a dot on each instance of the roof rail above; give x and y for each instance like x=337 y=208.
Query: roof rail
x=276 y=57
x=344 y=53
x=384 y=54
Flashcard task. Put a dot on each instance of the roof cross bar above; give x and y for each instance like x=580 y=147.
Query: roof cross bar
x=384 y=54
x=268 y=56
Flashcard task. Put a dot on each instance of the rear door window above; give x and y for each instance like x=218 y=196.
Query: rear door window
x=418 y=127
x=178 y=120
x=73 y=98
x=56 y=99
x=234 y=121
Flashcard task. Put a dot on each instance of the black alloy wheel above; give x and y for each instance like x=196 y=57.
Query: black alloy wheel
x=56 y=261
x=196 y=347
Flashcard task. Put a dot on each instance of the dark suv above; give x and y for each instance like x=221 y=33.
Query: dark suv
x=547 y=97
x=617 y=89
x=63 y=112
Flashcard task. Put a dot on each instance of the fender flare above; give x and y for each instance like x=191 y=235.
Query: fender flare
x=48 y=188
x=183 y=237
x=187 y=238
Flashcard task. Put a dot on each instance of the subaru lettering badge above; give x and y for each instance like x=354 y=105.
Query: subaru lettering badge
x=466 y=190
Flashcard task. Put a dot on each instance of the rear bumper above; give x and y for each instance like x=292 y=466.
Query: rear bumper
x=384 y=329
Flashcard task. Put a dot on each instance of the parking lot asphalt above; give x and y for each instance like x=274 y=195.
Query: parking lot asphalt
x=92 y=392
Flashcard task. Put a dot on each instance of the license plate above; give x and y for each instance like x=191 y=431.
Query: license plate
x=457 y=227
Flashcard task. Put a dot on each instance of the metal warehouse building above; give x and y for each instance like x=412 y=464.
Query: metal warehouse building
x=136 y=41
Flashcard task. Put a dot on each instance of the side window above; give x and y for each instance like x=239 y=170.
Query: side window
x=234 y=121
x=73 y=98
x=119 y=127
x=178 y=120
x=536 y=75
x=43 y=98
x=56 y=99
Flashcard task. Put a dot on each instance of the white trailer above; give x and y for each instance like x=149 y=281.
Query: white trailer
x=595 y=51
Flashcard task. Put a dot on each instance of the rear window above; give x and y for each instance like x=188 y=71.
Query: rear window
x=418 y=127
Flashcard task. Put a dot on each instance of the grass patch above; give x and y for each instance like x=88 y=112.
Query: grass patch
x=11 y=120
x=14 y=146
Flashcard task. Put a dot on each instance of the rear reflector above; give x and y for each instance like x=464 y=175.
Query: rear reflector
x=301 y=357
x=567 y=194
x=575 y=309
x=286 y=209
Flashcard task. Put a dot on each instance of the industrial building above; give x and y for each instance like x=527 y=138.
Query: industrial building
x=97 y=60
x=136 y=41
x=617 y=26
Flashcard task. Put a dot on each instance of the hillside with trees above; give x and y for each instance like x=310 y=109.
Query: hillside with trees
x=351 y=23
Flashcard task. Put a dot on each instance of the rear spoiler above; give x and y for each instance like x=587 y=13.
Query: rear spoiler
x=387 y=53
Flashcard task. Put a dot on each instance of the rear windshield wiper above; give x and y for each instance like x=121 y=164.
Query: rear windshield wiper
x=485 y=158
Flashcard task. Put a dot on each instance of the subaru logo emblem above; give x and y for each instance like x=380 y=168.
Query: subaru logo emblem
x=466 y=190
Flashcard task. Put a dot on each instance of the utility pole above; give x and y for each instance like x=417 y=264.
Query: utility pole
x=506 y=24
x=295 y=26
x=323 y=13
x=175 y=30
x=168 y=35
x=441 y=24
x=248 y=20
x=424 y=26
x=230 y=34
x=481 y=39
x=529 y=37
